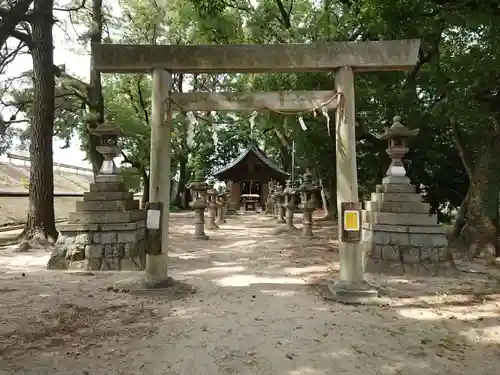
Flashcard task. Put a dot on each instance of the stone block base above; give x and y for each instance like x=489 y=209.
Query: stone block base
x=118 y=249
x=399 y=235
x=105 y=233
x=406 y=259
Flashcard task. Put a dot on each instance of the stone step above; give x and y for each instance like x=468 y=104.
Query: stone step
x=90 y=196
x=108 y=178
x=398 y=207
x=63 y=228
x=107 y=187
x=405 y=239
x=405 y=228
x=109 y=205
x=395 y=197
x=399 y=219
x=103 y=217
x=400 y=180
x=396 y=188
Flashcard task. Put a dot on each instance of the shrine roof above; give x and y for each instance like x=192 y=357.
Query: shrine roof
x=252 y=150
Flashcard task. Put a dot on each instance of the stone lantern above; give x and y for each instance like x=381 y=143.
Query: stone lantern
x=212 y=208
x=397 y=136
x=108 y=148
x=289 y=204
x=280 y=199
x=308 y=204
x=273 y=202
x=199 y=189
x=221 y=203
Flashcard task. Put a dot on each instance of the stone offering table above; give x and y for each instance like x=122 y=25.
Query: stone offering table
x=398 y=232
x=250 y=201
x=199 y=189
x=107 y=230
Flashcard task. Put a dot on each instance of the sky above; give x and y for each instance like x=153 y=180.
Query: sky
x=78 y=65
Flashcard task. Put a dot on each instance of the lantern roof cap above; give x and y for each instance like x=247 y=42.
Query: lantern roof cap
x=398 y=130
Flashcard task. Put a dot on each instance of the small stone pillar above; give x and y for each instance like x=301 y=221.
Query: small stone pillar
x=398 y=232
x=212 y=209
x=289 y=205
x=280 y=200
x=107 y=229
x=199 y=189
x=269 y=199
x=232 y=199
x=307 y=190
x=221 y=202
x=227 y=200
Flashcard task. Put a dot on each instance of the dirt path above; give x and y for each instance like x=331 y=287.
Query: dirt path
x=254 y=312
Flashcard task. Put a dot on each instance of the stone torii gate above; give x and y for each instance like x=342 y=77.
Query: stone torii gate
x=343 y=58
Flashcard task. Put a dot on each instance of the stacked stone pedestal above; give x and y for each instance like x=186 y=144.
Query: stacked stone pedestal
x=106 y=232
x=399 y=234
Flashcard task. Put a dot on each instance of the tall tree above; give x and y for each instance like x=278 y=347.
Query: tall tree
x=40 y=224
x=96 y=101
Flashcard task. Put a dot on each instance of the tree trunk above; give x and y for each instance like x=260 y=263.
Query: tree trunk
x=145 y=187
x=96 y=100
x=40 y=224
x=480 y=229
x=460 y=219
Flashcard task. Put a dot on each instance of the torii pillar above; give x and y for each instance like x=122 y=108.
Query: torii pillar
x=351 y=286
x=156 y=275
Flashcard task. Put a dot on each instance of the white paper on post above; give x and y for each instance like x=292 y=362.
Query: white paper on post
x=302 y=123
x=153 y=219
x=324 y=110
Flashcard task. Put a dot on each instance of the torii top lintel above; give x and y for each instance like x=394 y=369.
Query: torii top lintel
x=255 y=58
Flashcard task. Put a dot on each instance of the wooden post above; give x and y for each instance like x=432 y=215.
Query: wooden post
x=159 y=189
x=350 y=288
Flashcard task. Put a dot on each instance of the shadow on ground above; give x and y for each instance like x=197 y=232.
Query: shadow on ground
x=258 y=310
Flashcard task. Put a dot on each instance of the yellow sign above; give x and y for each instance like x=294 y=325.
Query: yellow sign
x=351 y=221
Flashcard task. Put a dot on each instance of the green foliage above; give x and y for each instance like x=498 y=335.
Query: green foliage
x=454 y=86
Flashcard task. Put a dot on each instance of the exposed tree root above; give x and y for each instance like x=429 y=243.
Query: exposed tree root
x=35 y=240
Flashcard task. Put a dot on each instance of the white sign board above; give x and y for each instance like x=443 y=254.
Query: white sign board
x=153 y=219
